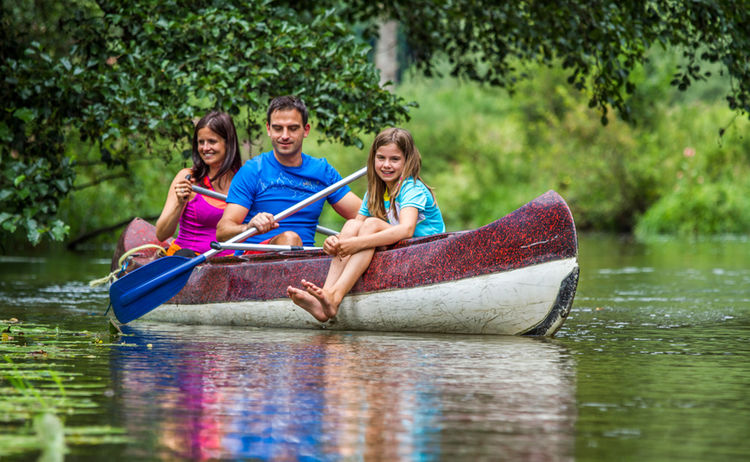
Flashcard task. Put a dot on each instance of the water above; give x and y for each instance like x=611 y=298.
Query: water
x=652 y=365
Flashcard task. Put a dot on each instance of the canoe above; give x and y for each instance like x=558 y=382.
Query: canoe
x=515 y=276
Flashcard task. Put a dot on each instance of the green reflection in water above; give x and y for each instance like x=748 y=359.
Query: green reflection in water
x=662 y=344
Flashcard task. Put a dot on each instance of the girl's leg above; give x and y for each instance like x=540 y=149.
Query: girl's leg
x=303 y=298
x=332 y=293
x=350 y=229
x=307 y=302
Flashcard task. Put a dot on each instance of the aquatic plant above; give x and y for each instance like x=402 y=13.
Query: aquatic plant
x=38 y=393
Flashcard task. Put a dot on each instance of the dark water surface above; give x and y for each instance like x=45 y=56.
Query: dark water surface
x=653 y=364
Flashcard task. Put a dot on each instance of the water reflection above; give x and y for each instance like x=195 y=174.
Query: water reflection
x=656 y=354
x=210 y=393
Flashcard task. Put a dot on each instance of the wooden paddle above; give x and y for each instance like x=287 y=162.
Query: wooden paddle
x=147 y=287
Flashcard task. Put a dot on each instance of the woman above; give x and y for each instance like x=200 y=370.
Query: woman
x=397 y=205
x=216 y=158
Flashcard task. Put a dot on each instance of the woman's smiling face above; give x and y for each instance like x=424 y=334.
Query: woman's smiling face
x=211 y=147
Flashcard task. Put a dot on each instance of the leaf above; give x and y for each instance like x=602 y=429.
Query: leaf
x=33 y=233
x=59 y=230
x=5 y=133
x=25 y=114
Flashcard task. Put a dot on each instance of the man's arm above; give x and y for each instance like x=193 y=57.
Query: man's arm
x=347 y=206
x=231 y=223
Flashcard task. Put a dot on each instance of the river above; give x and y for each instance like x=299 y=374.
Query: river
x=652 y=364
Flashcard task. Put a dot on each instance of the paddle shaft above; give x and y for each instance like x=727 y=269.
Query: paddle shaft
x=138 y=291
x=297 y=207
x=223 y=197
x=260 y=247
x=209 y=193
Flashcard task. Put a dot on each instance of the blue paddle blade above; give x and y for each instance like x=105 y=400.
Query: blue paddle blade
x=147 y=287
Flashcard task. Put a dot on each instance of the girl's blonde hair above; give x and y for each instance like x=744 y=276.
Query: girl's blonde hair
x=376 y=187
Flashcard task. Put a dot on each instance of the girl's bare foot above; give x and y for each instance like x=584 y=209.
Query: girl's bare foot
x=329 y=306
x=307 y=302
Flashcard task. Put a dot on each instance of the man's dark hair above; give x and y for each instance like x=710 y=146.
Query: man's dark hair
x=285 y=103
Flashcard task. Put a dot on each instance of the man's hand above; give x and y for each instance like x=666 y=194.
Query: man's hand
x=263 y=222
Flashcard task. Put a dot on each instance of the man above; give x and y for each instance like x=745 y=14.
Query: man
x=276 y=180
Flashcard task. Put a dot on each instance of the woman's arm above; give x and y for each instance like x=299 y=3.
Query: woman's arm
x=180 y=191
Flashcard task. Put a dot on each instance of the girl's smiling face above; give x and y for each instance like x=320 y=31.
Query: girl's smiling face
x=389 y=164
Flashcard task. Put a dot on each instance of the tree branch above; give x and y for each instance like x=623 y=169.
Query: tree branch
x=72 y=245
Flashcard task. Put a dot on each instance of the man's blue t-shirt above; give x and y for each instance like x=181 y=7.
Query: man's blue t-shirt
x=264 y=185
x=413 y=194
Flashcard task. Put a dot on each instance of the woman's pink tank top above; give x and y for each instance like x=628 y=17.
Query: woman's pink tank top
x=198 y=226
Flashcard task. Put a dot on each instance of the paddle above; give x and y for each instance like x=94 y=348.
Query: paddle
x=220 y=196
x=260 y=247
x=147 y=287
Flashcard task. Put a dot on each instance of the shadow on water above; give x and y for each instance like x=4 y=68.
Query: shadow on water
x=210 y=393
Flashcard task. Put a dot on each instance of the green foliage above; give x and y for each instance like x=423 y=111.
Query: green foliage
x=599 y=43
x=702 y=210
x=707 y=192
x=122 y=77
x=110 y=83
x=488 y=153
x=34 y=188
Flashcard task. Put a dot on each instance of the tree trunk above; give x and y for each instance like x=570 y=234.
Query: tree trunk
x=386 y=52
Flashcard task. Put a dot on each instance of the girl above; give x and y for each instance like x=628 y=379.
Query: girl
x=397 y=205
x=216 y=158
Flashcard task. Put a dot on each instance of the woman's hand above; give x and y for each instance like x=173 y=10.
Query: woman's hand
x=183 y=188
x=178 y=195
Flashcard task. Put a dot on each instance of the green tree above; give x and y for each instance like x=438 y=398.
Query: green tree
x=124 y=75
x=600 y=42
x=120 y=76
